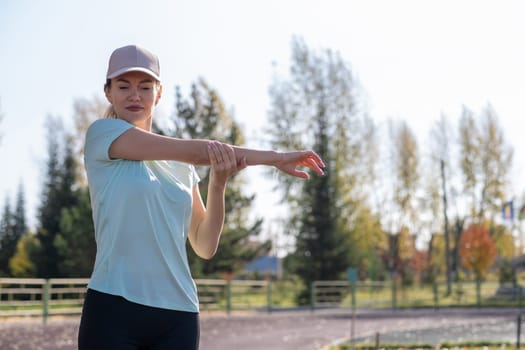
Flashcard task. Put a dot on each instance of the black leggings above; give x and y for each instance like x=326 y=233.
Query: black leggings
x=112 y=322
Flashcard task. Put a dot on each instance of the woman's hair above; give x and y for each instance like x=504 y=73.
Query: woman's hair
x=110 y=112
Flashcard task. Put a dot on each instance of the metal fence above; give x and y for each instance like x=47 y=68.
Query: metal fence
x=392 y=295
x=57 y=296
x=41 y=297
x=64 y=296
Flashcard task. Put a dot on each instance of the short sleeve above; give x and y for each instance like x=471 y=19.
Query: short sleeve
x=100 y=136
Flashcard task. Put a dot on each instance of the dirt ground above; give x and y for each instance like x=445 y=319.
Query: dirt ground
x=282 y=330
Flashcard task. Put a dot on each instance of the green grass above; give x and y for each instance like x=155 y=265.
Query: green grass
x=283 y=294
x=462 y=295
x=473 y=345
x=37 y=307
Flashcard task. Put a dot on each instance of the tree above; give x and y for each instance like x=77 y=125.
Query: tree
x=495 y=164
x=19 y=218
x=58 y=193
x=314 y=108
x=503 y=240
x=204 y=116
x=6 y=240
x=477 y=250
x=405 y=177
x=12 y=227
x=398 y=258
x=457 y=231
x=485 y=163
x=75 y=243
x=469 y=157
x=405 y=173
x=369 y=241
x=85 y=112
x=436 y=257
x=441 y=135
x=21 y=264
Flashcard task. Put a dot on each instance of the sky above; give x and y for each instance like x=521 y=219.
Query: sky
x=414 y=59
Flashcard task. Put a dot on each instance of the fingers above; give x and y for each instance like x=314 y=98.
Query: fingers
x=315 y=157
x=314 y=164
x=221 y=154
x=223 y=161
x=311 y=160
x=308 y=159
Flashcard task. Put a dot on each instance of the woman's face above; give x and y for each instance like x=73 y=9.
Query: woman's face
x=133 y=96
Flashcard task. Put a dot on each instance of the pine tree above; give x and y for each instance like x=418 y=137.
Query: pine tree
x=6 y=238
x=75 y=243
x=316 y=107
x=57 y=195
x=12 y=227
x=19 y=218
x=204 y=116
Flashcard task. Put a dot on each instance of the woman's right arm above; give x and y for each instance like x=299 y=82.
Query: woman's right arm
x=138 y=144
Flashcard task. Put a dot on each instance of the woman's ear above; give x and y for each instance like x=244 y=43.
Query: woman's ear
x=159 y=94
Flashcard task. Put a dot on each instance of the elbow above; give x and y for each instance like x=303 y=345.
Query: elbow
x=205 y=251
x=207 y=254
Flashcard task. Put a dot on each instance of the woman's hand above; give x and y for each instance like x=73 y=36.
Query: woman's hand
x=289 y=161
x=223 y=162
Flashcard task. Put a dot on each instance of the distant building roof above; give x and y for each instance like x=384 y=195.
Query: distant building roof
x=270 y=264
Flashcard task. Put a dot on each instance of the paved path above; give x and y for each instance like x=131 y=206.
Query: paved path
x=297 y=330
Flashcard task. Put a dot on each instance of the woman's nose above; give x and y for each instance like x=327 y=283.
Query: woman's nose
x=134 y=94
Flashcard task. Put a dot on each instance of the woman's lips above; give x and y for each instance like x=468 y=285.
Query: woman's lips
x=134 y=108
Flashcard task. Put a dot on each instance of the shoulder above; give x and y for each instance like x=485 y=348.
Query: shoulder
x=108 y=124
x=99 y=136
x=106 y=128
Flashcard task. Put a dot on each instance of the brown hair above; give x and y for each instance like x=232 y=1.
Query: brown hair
x=110 y=112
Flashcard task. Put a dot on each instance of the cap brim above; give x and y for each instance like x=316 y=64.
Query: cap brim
x=133 y=69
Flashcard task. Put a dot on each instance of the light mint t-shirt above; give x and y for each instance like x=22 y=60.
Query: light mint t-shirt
x=141 y=212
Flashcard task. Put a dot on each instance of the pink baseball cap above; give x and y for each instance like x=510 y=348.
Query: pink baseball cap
x=133 y=58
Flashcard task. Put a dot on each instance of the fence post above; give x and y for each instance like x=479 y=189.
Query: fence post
x=228 y=297
x=353 y=290
x=478 y=292
x=518 y=337
x=436 y=295
x=394 y=293
x=312 y=296
x=520 y=296
x=270 y=301
x=45 y=311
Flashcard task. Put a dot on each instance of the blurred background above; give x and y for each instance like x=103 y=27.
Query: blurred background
x=417 y=108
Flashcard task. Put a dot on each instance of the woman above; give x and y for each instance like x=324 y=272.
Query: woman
x=146 y=204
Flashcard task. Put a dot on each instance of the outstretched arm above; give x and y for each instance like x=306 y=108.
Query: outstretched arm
x=207 y=222
x=138 y=144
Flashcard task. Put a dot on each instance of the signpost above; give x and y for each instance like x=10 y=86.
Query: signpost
x=352 y=278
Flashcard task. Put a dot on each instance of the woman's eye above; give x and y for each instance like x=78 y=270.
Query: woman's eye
x=146 y=88
x=122 y=87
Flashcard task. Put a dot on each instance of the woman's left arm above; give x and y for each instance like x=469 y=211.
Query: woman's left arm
x=207 y=222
